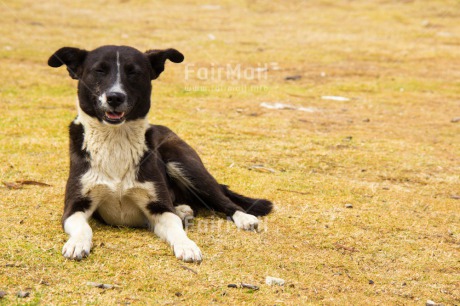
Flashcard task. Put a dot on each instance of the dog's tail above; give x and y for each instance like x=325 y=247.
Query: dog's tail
x=256 y=207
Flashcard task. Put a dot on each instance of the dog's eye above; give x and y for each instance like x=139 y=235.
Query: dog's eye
x=132 y=72
x=100 y=71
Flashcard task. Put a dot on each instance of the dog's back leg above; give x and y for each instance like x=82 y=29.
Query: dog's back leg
x=201 y=188
x=256 y=207
x=186 y=170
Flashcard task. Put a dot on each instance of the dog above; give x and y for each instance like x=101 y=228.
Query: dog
x=127 y=172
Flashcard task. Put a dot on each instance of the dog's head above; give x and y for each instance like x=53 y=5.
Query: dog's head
x=114 y=82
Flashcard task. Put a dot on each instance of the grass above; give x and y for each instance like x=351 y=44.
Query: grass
x=391 y=151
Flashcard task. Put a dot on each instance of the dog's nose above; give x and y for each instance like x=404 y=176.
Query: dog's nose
x=115 y=99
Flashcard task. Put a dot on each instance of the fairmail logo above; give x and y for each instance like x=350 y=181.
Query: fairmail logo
x=228 y=72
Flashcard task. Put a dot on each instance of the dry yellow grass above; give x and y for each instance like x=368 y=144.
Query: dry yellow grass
x=391 y=151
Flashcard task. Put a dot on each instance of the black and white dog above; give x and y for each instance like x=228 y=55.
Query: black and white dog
x=127 y=172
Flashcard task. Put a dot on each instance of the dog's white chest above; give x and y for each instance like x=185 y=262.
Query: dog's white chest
x=122 y=208
x=114 y=156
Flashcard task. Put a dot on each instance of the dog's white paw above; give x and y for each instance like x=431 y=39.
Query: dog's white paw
x=187 y=250
x=245 y=221
x=77 y=248
x=184 y=212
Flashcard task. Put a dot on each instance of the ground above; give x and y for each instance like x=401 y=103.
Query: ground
x=367 y=189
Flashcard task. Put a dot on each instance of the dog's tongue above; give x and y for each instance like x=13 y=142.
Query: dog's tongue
x=114 y=115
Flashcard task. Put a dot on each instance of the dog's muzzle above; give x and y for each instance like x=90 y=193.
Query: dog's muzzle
x=115 y=101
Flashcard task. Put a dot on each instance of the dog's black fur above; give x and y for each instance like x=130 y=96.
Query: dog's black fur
x=114 y=89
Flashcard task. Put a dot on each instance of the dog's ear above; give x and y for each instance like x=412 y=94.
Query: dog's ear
x=158 y=58
x=73 y=58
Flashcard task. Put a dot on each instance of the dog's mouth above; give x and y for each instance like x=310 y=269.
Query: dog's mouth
x=114 y=117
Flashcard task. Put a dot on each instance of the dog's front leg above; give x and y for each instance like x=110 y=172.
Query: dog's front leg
x=80 y=236
x=168 y=226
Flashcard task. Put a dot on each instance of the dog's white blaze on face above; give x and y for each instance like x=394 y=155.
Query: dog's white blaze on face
x=80 y=236
x=245 y=221
x=117 y=86
x=168 y=227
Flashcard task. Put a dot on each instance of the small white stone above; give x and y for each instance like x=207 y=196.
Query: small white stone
x=335 y=98
x=269 y=280
x=432 y=303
